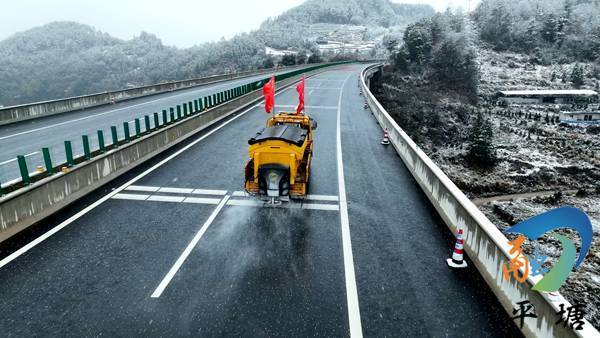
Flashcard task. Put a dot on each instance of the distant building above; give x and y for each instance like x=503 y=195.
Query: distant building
x=278 y=52
x=580 y=116
x=571 y=96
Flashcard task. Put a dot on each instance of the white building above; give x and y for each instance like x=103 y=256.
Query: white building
x=571 y=96
x=580 y=116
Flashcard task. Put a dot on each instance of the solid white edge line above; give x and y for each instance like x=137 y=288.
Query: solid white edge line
x=14 y=159
x=331 y=198
x=84 y=211
x=351 y=290
x=184 y=255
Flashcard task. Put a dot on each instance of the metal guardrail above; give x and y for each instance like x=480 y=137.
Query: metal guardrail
x=485 y=245
x=58 y=186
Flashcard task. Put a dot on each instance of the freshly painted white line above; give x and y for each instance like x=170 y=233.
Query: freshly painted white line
x=169 y=276
x=135 y=197
x=323 y=88
x=209 y=192
x=92 y=206
x=159 y=198
x=108 y=112
x=142 y=188
x=199 y=200
x=176 y=190
x=351 y=290
x=15 y=159
x=322 y=198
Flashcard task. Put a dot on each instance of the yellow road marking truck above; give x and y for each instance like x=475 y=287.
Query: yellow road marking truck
x=280 y=156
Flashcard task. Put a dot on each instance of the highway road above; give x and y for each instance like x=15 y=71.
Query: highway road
x=175 y=248
x=29 y=137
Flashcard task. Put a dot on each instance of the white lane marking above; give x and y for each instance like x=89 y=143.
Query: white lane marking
x=142 y=188
x=169 y=276
x=209 y=192
x=326 y=207
x=323 y=88
x=176 y=190
x=92 y=206
x=135 y=197
x=173 y=199
x=233 y=82
x=351 y=290
x=322 y=198
x=14 y=159
x=311 y=91
x=200 y=200
x=326 y=80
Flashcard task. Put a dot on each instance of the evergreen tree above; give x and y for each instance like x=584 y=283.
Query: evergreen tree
x=481 y=152
x=577 y=76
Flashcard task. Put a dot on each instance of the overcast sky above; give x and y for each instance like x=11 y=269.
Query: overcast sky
x=180 y=23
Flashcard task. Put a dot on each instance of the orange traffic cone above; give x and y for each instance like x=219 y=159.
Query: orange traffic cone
x=386 y=139
x=457 y=256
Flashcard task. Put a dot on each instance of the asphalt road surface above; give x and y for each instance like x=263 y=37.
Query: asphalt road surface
x=175 y=248
x=27 y=138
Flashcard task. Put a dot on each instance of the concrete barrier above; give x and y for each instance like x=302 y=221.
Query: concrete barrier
x=485 y=245
x=31 y=204
x=39 y=109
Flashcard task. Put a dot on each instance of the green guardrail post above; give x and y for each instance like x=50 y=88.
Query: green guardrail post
x=172 y=117
x=138 y=128
x=126 y=131
x=23 y=169
x=200 y=105
x=221 y=97
x=185 y=110
x=48 y=161
x=69 y=153
x=156 y=121
x=115 y=136
x=214 y=100
x=146 y=124
x=190 y=110
x=164 y=117
x=178 y=111
x=101 y=145
x=196 y=108
x=86 y=147
x=206 y=105
x=1 y=190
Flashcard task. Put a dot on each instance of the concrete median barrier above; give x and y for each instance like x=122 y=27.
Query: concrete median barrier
x=485 y=245
x=33 y=203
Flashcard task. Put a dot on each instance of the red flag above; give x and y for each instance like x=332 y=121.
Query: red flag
x=269 y=94
x=300 y=90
